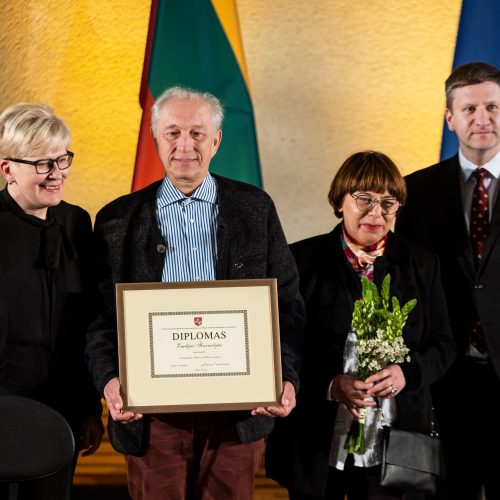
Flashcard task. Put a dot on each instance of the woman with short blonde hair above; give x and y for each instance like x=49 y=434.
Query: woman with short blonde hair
x=47 y=286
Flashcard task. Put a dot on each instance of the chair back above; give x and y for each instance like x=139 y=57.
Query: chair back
x=35 y=440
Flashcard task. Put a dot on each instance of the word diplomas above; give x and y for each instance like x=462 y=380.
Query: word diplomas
x=199 y=335
x=199 y=343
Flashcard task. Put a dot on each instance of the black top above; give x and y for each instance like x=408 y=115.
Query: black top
x=46 y=304
x=298 y=449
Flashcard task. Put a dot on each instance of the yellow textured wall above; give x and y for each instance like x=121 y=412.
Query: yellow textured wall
x=84 y=58
x=328 y=77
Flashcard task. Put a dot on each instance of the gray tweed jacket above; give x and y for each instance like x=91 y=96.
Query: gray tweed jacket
x=250 y=244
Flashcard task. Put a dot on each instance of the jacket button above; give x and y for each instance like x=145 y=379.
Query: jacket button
x=160 y=248
x=478 y=286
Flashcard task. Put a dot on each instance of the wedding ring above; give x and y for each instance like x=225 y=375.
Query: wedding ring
x=393 y=389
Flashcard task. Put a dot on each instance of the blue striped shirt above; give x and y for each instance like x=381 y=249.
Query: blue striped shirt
x=189 y=226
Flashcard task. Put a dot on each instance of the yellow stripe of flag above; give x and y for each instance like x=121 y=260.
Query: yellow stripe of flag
x=228 y=17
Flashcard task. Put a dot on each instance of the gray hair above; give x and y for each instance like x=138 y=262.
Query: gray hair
x=187 y=93
x=30 y=129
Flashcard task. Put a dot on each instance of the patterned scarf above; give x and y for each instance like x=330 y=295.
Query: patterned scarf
x=361 y=258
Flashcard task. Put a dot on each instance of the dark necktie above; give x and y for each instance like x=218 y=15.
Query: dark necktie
x=479 y=226
x=479 y=223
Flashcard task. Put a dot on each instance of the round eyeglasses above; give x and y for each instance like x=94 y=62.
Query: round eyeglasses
x=46 y=165
x=366 y=203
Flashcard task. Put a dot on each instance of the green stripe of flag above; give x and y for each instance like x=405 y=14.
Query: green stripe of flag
x=191 y=49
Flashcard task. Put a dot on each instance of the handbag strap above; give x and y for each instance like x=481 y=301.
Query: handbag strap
x=434 y=425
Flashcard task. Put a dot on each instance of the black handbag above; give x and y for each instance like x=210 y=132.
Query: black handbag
x=410 y=460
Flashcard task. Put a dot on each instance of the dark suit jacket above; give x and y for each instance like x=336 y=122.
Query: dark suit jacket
x=298 y=448
x=434 y=218
x=250 y=244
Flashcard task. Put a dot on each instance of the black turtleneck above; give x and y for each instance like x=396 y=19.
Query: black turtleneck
x=46 y=303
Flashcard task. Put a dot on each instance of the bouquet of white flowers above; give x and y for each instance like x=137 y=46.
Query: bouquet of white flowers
x=379 y=332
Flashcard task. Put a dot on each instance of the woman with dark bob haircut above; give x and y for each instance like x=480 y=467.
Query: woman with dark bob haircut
x=306 y=451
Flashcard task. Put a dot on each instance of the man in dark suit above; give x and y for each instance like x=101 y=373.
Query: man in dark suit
x=453 y=210
x=191 y=226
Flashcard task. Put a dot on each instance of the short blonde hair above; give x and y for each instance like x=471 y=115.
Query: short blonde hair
x=366 y=171
x=31 y=129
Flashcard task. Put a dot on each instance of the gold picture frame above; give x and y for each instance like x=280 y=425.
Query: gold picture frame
x=198 y=346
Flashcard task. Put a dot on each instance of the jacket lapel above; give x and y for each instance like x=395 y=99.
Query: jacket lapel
x=329 y=286
x=493 y=234
x=452 y=213
x=147 y=239
x=395 y=263
x=335 y=262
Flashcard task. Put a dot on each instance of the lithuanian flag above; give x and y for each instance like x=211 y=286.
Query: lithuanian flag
x=478 y=39
x=197 y=44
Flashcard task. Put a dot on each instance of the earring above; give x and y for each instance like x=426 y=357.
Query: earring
x=10 y=181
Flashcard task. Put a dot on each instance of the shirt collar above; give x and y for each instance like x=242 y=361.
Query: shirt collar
x=168 y=193
x=467 y=167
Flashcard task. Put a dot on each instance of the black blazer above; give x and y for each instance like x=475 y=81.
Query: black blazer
x=434 y=218
x=250 y=244
x=298 y=449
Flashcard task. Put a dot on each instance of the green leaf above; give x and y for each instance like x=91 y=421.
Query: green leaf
x=386 y=285
x=408 y=308
x=396 y=309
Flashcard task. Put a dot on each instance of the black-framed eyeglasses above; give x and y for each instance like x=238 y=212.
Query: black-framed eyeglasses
x=47 y=164
x=366 y=203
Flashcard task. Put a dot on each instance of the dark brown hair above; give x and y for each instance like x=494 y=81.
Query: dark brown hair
x=471 y=73
x=366 y=171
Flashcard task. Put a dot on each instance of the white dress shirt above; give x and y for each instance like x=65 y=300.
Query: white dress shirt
x=467 y=183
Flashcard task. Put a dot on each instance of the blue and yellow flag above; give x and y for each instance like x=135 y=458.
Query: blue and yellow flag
x=478 y=39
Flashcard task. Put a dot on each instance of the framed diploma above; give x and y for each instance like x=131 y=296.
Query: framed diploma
x=198 y=346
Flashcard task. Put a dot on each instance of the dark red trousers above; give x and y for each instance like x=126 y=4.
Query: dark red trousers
x=194 y=457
